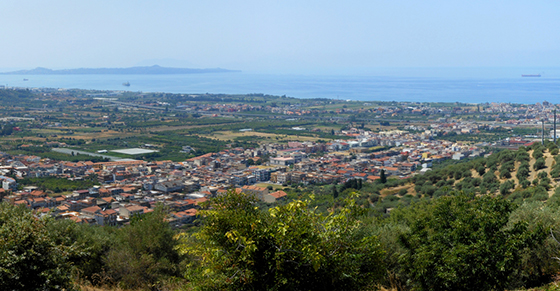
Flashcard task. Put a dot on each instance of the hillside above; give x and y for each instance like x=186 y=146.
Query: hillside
x=530 y=174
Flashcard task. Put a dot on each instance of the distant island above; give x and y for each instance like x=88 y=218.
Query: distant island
x=151 y=70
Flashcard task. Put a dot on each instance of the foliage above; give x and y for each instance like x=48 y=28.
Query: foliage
x=382 y=177
x=290 y=247
x=144 y=252
x=539 y=164
x=536 y=266
x=45 y=152
x=523 y=171
x=506 y=187
x=30 y=258
x=57 y=184
x=461 y=243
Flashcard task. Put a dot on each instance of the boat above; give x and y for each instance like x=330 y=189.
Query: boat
x=26 y=79
x=127 y=84
x=537 y=75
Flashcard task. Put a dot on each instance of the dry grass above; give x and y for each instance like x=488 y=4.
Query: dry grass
x=390 y=191
x=274 y=186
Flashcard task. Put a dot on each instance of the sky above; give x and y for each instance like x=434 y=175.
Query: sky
x=279 y=36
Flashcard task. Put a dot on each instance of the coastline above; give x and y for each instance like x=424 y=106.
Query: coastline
x=465 y=89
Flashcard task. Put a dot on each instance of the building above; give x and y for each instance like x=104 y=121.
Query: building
x=282 y=161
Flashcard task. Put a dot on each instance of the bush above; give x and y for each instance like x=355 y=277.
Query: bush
x=144 y=252
x=484 y=254
x=536 y=267
x=30 y=258
x=525 y=183
x=539 y=164
x=506 y=187
x=537 y=153
x=289 y=247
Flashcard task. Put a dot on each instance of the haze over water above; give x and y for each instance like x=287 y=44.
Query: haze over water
x=469 y=85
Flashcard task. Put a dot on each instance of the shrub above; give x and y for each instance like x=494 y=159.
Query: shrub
x=290 y=247
x=30 y=258
x=539 y=164
x=484 y=256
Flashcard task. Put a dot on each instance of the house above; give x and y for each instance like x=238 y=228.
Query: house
x=130 y=211
x=276 y=196
x=282 y=178
x=101 y=217
x=169 y=186
x=183 y=217
x=256 y=191
x=282 y=161
x=8 y=183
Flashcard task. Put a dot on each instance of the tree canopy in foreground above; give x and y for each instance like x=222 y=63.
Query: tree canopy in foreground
x=290 y=247
x=465 y=243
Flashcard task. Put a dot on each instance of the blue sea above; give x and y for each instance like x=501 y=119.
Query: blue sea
x=468 y=85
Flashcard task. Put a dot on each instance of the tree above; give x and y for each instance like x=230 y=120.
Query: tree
x=536 y=267
x=8 y=129
x=465 y=243
x=289 y=247
x=335 y=192
x=506 y=187
x=523 y=171
x=382 y=177
x=539 y=164
x=30 y=258
x=144 y=252
x=481 y=170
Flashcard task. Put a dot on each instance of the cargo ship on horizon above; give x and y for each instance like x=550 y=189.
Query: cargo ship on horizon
x=537 y=75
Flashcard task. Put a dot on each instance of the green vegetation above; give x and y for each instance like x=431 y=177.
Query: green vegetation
x=45 y=152
x=57 y=185
x=481 y=223
x=462 y=243
x=46 y=254
x=143 y=253
x=290 y=247
x=496 y=245
x=30 y=257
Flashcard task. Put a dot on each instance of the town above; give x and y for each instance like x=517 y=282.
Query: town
x=122 y=187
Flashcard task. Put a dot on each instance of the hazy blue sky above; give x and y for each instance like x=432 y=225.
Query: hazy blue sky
x=279 y=36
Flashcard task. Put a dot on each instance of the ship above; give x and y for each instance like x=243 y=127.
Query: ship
x=537 y=75
x=127 y=84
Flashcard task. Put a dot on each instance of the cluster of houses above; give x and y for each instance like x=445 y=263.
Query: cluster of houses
x=133 y=187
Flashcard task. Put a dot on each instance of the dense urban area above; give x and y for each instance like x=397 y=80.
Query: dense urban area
x=296 y=193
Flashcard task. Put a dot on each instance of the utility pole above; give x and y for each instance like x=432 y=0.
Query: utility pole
x=554 y=125
x=542 y=131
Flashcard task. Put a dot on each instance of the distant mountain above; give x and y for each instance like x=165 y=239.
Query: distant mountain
x=152 y=70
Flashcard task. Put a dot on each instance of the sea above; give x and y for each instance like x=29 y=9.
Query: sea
x=465 y=85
